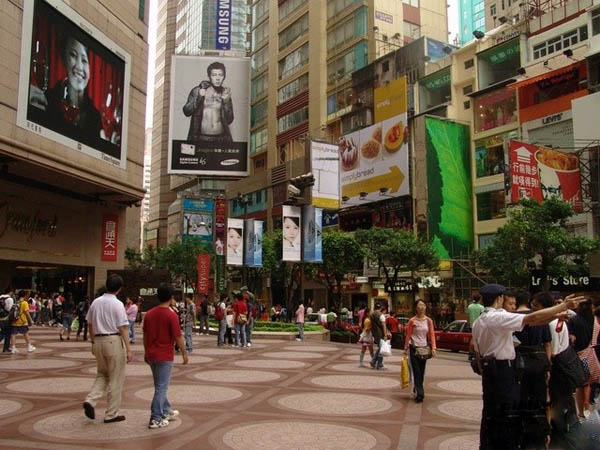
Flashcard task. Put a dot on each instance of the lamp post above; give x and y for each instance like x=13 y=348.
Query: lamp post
x=244 y=200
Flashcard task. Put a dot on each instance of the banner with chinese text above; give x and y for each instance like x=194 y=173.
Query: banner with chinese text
x=110 y=230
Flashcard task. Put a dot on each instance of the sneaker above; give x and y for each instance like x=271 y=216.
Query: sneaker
x=299 y=340
x=14 y=350
x=158 y=423
x=171 y=416
x=249 y=344
x=30 y=348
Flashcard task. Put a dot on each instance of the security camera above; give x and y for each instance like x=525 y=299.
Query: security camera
x=293 y=190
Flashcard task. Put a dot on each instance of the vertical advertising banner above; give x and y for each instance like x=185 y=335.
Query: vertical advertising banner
x=291 y=233
x=198 y=219
x=253 y=243
x=208 y=120
x=312 y=241
x=110 y=230
x=223 y=25
x=235 y=242
x=74 y=82
x=203 y=268
x=220 y=224
x=449 y=201
x=220 y=270
x=541 y=173
x=326 y=170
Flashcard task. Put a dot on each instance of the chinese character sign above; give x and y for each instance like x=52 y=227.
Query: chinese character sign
x=110 y=229
x=540 y=173
x=203 y=268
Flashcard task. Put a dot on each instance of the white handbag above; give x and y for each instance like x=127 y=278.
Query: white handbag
x=386 y=348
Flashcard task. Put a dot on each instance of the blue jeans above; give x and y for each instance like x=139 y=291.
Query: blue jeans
x=67 y=320
x=161 y=372
x=187 y=334
x=240 y=330
x=301 y=330
x=377 y=360
x=222 y=330
x=249 y=328
x=132 y=331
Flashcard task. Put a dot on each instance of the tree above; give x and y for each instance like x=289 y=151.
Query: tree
x=397 y=251
x=341 y=254
x=148 y=259
x=536 y=238
x=180 y=259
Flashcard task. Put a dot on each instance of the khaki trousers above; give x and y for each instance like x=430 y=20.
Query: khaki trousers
x=111 y=359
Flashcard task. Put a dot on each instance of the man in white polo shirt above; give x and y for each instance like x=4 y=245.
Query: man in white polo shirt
x=108 y=326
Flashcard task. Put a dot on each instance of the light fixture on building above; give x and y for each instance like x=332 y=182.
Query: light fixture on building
x=345 y=199
x=546 y=66
x=569 y=54
x=447 y=49
x=383 y=191
x=362 y=195
x=502 y=19
x=521 y=71
x=478 y=34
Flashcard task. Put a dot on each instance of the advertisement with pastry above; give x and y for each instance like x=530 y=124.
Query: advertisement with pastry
x=374 y=161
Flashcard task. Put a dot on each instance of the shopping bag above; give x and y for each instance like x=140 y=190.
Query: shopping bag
x=75 y=324
x=405 y=373
x=386 y=348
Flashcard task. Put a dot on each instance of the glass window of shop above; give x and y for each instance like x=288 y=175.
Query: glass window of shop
x=434 y=89
x=342 y=66
x=334 y=7
x=596 y=22
x=491 y=205
x=553 y=87
x=498 y=63
x=352 y=28
x=293 y=62
x=288 y=7
x=291 y=120
x=293 y=32
x=259 y=140
x=495 y=109
x=339 y=100
x=258 y=86
x=258 y=113
x=491 y=154
x=485 y=240
x=260 y=59
x=292 y=89
x=260 y=34
x=259 y=10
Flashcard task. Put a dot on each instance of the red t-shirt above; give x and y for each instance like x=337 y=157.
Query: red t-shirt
x=161 y=328
x=392 y=324
x=239 y=307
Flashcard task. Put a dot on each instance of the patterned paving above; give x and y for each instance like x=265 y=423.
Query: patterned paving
x=276 y=395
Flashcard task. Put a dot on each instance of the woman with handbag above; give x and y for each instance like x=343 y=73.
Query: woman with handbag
x=420 y=343
x=366 y=337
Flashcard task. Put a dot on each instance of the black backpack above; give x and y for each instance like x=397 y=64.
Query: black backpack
x=3 y=311
x=15 y=312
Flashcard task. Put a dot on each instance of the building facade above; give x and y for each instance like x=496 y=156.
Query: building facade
x=471 y=18
x=71 y=183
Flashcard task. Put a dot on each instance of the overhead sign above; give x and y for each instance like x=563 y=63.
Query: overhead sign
x=374 y=162
x=390 y=100
x=291 y=233
x=223 y=25
x=325 y=168
x=208 y=126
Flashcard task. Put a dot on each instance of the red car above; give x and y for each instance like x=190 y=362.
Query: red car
x=456 y=336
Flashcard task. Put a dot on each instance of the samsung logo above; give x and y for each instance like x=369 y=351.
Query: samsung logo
x=223 y=25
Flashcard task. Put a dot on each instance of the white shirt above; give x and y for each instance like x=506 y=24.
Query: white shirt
x=560 y=341
x=107 y=314
x=493 y=331
x=8 y=302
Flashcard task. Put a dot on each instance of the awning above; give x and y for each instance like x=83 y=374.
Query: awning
x=545 y=76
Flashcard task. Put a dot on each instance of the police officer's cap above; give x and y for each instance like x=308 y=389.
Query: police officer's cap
x=492 y=290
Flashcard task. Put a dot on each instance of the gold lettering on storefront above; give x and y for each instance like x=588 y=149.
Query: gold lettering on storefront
x=30 y=224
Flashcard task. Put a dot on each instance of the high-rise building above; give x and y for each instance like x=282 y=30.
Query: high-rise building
x=471 y=18
x=71 y=141
x=186 y=27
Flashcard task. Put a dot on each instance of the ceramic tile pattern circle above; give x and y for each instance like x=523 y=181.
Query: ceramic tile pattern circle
x=335 y=404
x=462 y=409
x=270 y=364
x=131 y=370
x=311 y=348
x=9 y=406
x=471 y=387
x=237 y=376
x=51 y=386
x=353 y=367
x=75 y=426
x=78 y=355
x=298 y=436
x=464 y=442
x=195 y=359
x=43 y=364
x=218 y=351
x=68 y=344
x=294 y=355
x=191 y=394
x=359 y=382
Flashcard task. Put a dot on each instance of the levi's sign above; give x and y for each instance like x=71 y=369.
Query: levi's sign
x=223 y=25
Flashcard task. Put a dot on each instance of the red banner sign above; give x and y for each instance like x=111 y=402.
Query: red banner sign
x=110 y=230
x=540 y=173
x=220 y=223
x=203 y=267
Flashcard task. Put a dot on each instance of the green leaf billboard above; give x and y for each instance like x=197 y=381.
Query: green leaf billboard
x=449 y=198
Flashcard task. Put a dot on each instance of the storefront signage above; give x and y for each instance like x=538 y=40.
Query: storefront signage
x=400 y=286
x=384 y=17
x=30 y=224
x=110 y=230
x=390 y=100
x=568 y=283
x=326 y=170
x=557 y=79
x=507 y=36
x=430 y=282
x=203 y=267
x=223 y=25
x=553 y=118
x=503 y=52
x=438 y=81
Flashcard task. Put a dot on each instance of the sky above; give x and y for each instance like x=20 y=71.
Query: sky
x=452 y=28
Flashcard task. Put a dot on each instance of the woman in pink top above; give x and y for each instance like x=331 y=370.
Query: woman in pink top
x=419 y=334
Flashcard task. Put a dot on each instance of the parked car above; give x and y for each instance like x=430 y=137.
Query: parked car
x=456 y=336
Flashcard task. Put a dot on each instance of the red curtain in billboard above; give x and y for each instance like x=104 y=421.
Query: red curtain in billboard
x=203 y=267
x=110 y=231
x=540 y=173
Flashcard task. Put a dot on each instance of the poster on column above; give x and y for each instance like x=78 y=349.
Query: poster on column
x=291 y=233
x=235 y=242
x=203 y=268
x=253 y=243
x=312 y=243
x=74 y=82
x=110 y=227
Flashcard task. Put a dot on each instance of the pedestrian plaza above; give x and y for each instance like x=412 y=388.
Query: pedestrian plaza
x=275 y=395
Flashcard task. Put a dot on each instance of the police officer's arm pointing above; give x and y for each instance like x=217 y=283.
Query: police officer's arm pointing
x=547 y=315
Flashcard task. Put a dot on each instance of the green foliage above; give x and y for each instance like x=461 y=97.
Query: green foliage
x=397 y=251
x=180 y=259
x=536 y=237
x=147 y=259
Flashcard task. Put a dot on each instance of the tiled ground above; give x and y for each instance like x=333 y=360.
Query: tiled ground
x=276 y=395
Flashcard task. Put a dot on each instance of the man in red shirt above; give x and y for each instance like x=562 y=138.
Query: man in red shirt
x=391 y=323
x=240 y=319
x=161 y=331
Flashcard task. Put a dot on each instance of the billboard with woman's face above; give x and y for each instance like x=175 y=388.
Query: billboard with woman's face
x=74 y=86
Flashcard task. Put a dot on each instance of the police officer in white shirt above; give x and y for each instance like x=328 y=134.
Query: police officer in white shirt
x=493 y=342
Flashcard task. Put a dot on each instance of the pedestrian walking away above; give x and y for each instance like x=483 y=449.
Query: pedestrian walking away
x=240 y=318
x=203 y=316
x=366 y=337
x=420 y=345
x=161 y=332
x=82 y=310
x=189 y=319
x=20 y=321
x=68 y=308
x=108 y=326
x=379 y=331
x=495 y=353
x=131 y=309
x=300 y=321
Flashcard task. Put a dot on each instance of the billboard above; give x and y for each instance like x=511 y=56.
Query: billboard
x=540 y=173
x=390 y=100
x=312 y=234
x=253 y=243
x=208 y=121
x=291 y=233
x=374 y=160
x=235 y=242
x=223 y=25
x=74 y=87
x=449 y=198
x=326 y=170
x=198 y=219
